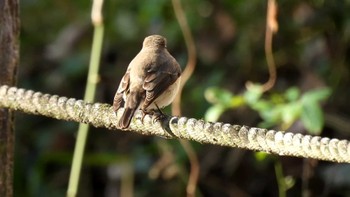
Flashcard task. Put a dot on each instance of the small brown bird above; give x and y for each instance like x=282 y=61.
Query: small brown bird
x=151 y=81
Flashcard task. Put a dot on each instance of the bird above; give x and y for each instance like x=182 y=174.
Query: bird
x=151 y=81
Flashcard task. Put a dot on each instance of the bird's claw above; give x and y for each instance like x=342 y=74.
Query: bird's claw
x=158 y=116
x=144 y=113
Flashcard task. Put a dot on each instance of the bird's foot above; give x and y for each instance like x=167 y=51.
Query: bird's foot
x=158 y=115
x=144 y=113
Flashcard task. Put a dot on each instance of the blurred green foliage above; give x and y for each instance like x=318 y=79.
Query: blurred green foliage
x=311 y=51
x=278 y=110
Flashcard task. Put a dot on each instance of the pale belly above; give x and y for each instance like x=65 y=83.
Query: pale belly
x=167 y=97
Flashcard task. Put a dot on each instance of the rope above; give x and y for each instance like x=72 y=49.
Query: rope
x=102 y=115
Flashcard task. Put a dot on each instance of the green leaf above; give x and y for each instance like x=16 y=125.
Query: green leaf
x=290 y=112
x=260 y=156
x=262 y=105
x=317 y=95
x=292 y=94
x=273 y=115
x=266 y=124
x=214 y=112
x=237 y=101
x=289 y=182
x=217 y=95
x=312 y=117
x=277 y=99
x=253 y=94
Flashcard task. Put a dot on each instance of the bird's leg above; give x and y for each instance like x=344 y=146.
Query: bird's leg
x=157 y=115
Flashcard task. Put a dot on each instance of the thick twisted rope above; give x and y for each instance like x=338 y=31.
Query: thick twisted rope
x=102 y=115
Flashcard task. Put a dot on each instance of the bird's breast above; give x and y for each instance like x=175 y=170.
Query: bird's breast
x=168 y=96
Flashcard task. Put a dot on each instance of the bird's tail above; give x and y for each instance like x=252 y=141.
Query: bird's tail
x=125 y=120
x=131 y=105
x=118 y=101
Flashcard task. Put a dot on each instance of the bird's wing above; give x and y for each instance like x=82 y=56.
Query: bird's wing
x=124 y=83
x=123 y=87
x=158 y=79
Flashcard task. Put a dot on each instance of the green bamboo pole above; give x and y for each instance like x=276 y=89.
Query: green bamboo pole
x=90 y=90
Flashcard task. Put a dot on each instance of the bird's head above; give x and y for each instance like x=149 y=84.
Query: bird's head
x=155 y=41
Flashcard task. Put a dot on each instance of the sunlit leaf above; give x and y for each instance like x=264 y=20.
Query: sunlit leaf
x=262 y=105
x=291 y=112
x=237 y=101
x=260 y=156
x=214 y=112
x=292 y=94
x=253 y=94
x=312 y=117
x=217 y=95
x=272 y=115
x=317 y=95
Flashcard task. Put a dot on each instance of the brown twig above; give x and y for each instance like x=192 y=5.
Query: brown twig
x=191 y=51
x=271 y=28
x=176 y=106
x=193 y=178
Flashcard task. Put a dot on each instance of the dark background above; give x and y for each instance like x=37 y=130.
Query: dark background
x=311 y=50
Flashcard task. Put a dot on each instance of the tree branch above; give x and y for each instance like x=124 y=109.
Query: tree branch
x=9 y=58
x=102 y=115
